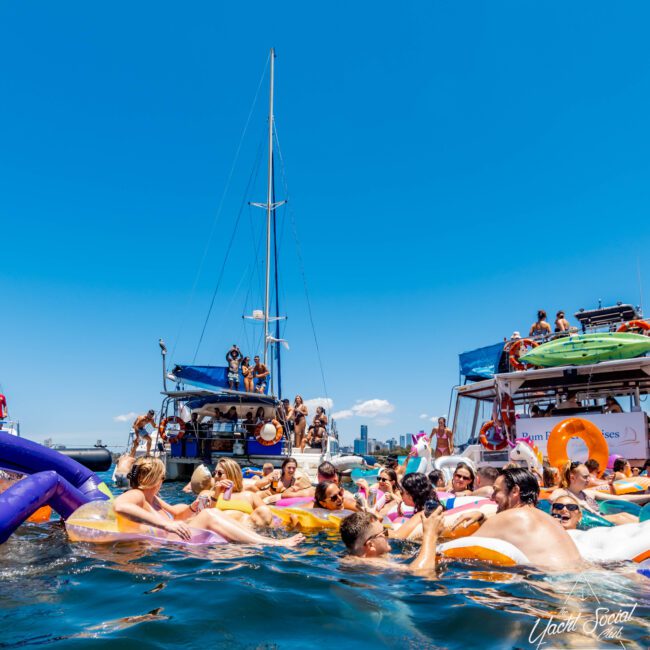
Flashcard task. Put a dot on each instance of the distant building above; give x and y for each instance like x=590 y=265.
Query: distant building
x=402 y=440
x=364 y=434
x=391 y=444
x=360 y=446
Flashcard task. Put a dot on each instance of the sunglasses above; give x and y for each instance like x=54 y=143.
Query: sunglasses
x=383 y=533
x=571 y=507
x=383 y=479
x=462 y=477
x=219 y=472
x=336 y=497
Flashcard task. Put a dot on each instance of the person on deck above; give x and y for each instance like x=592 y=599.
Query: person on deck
x=317 y=430
x=140 y=432
x=247 y=372
x=300 y=413
x=261 y=376
x=540 y=327
x=233 y=358
x=444 y=438
x=561 y=323
x=612 y=405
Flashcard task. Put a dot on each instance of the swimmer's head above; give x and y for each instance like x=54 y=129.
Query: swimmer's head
x=515 y=487
x=566 y=509
x=227 y=468
x=327 y=472
x=147 y=473
x=267 y=468
x=329 y=495
x=364 y=535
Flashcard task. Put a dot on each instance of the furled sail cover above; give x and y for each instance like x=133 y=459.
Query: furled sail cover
x=209 y=377
x=482 y=363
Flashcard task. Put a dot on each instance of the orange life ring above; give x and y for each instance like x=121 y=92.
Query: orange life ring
x=271 y=441
x=514 y=348
x=634 y=325
x=576 y=428
x=508 y=414
x=488 y=444
x=174 y=419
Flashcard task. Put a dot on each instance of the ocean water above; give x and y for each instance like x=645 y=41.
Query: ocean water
x=57 y=594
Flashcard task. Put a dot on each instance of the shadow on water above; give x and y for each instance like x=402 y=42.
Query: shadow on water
x=64 y=595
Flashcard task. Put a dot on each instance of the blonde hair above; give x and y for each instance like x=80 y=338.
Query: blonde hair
x=147 y=472
x=233 y=473
x=565 y=473
x=565 y=494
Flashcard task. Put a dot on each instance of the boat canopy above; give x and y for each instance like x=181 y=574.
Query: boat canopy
x=207 y=376
x=482 y=363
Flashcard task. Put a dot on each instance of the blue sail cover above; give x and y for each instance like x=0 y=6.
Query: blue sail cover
x=209 y=377
x=482 y=363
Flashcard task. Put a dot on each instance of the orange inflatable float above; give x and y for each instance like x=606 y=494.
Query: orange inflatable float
x=576 y=428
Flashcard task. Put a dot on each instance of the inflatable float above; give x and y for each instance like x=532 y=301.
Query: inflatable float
x=96 y=522
x=51 y=479
x=619 y=543
x=587 y=431
x=628 y=485
x=310 y=518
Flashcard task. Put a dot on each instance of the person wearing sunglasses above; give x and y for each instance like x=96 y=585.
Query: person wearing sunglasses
x=462 y=481
x=228 y=491
x=574 y=478
x=331 y=496
x=366 y=539
x=566 y=509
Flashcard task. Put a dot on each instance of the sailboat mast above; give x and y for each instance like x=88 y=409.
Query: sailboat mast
x=269 y=209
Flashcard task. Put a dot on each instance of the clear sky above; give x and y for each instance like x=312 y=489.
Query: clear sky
x=452 y=167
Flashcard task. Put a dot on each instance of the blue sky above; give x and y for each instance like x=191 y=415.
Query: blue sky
x=452 y=167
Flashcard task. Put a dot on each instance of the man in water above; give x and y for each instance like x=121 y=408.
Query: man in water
x=484 y=483
x=233 y=357
x=537 y=535
x=140 y=432
x=260 y=375
x=366 y=538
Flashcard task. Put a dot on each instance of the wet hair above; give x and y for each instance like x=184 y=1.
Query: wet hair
x=541 y=314
x=566 y=495
x=233 y=473
x=320 y=493
x=355 y=527
x=327 y=470
x=146 y=472
x=392 y=476
x=435 y=476
x=619 y=465
x=488 y=475
x=525 y=480
x=550 y=477
x=286 y=461
x=462 y=465
x=419 y=488
x=592 y=465
x=565 y=473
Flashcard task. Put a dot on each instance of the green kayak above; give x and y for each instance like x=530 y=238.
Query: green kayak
x=583 y=349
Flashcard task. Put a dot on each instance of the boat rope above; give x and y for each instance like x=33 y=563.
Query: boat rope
x=301 y=264
x=251 y=180
x=219 y=210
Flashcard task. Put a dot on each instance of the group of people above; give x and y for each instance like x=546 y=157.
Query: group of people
x=256 y=376
x=240 y=509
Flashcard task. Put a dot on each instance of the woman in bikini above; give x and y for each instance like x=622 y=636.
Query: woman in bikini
x=143 y=505
x=283 y=479
x=247 y=372
x=444 y=439
x=300 y=413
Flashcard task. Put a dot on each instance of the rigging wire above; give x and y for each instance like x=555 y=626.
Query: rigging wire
x=301 y=264
x=251 y=180
x=219 y=208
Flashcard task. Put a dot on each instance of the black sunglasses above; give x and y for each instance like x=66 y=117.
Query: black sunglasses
x=462 y=477
x=382 y=479
x=337 y=496
x=571 y=507
x=219 y=472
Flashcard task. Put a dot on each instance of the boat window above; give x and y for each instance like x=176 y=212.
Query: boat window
x=470 y=416
x=334 y=447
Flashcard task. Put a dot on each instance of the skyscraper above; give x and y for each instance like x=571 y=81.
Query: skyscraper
x=402 y=440
x=364 y=438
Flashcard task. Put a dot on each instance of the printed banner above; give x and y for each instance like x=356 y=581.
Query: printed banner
x=626 y=433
